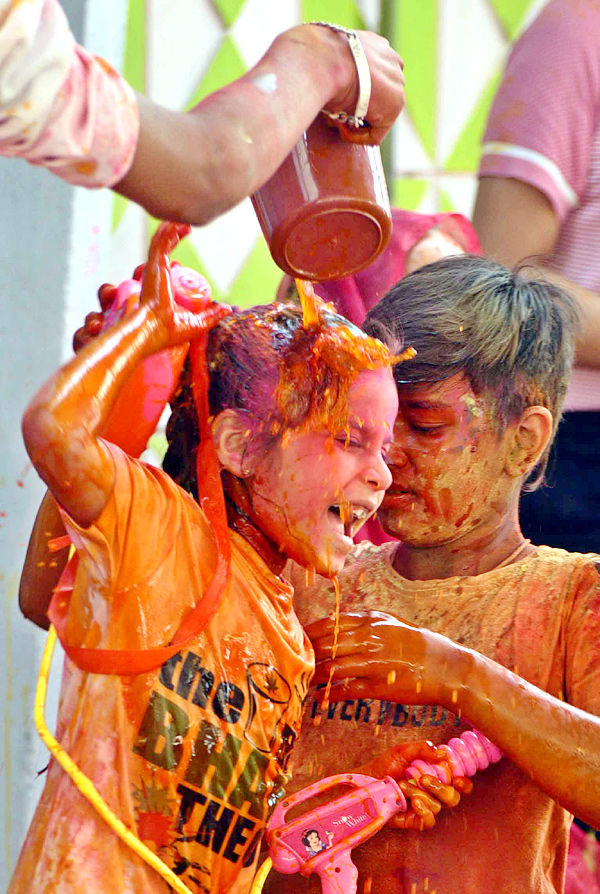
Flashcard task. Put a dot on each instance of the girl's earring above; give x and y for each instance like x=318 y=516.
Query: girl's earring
x=246 y=473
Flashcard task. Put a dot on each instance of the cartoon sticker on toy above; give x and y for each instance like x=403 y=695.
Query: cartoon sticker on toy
x=311 y=839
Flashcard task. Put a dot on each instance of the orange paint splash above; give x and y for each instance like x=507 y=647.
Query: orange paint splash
x=336 y=634
x=327 y=355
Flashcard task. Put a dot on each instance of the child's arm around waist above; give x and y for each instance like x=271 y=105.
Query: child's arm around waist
x=62 y=423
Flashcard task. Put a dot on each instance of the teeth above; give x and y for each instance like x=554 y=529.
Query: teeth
x=358 y=513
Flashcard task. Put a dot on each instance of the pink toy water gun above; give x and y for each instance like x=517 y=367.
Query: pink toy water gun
x=321 y=840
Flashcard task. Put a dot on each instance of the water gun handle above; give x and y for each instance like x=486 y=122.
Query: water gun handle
x=340 y=876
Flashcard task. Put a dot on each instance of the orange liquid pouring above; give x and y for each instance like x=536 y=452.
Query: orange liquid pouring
x=336 y=634
x=308 y=300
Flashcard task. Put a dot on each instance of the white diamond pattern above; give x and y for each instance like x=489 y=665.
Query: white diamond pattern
x=183 y=38
x=472 y=48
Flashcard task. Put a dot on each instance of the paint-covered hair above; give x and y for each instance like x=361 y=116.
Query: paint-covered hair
x=284 y=376
x=512 y=337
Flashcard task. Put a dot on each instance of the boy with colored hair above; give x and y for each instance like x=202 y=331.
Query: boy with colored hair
x=506 y=635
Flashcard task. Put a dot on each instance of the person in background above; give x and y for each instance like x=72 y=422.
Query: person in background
x=65 y=109
x=539 y=199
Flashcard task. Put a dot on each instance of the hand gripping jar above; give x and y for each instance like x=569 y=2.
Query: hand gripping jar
x=325 y=212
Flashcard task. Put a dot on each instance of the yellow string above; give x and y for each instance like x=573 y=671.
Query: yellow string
x=261 y=876
x=85 y=785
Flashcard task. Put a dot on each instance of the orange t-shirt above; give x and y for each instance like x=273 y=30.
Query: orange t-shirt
x=191 y=756
x=539 y=617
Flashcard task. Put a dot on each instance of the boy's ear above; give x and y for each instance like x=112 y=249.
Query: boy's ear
x=232 y=438
x=532 y=434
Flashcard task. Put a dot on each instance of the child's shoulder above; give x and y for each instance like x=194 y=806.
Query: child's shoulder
x=145 y=495
x=554 y=556
x=135 y=473
x=572 y=568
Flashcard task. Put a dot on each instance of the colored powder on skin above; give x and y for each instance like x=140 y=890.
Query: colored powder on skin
x=265 y=81
x=474 y=406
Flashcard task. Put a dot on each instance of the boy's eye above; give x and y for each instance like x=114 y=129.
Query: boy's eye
x=346 y=441
x=428 y=429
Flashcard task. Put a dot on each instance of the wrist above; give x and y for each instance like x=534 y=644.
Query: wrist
x=331 y=51
x=452 y=670
x=139 y=334
x=151 y=333
x=360 y=83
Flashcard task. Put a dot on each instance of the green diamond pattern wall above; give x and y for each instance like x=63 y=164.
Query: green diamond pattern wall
x=454 y=52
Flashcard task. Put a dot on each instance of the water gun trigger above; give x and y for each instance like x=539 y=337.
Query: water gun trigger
x=321 y=840
x=127 y=296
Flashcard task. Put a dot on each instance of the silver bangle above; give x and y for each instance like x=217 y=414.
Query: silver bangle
x=364 y=78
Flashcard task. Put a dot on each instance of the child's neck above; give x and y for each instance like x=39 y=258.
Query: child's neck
x=239 y=518
x=475 y=553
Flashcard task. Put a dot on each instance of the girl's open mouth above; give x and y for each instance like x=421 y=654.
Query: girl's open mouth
x=350 y=518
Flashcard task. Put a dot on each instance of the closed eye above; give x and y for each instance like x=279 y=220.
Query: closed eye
x=427 y=429
x=347 y=441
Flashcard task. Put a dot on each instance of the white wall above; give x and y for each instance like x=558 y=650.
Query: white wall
x=54 y=245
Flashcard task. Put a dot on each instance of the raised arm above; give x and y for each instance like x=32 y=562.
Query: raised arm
x=554 y=743
x=61 y=425
x=63 y=108
x=195 y=166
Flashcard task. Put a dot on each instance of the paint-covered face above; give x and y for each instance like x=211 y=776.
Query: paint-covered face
x=312 y=491
x=447 y=463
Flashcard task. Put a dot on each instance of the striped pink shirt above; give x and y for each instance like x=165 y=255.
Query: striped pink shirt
x=544 y=129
